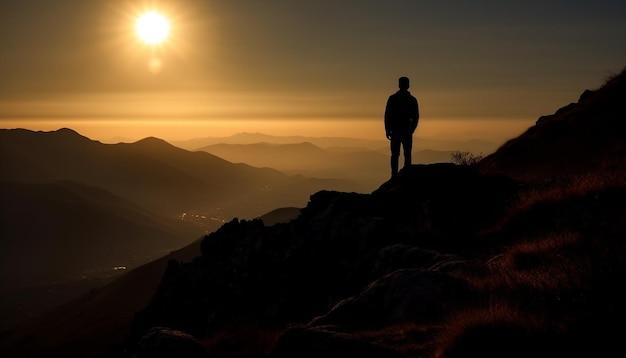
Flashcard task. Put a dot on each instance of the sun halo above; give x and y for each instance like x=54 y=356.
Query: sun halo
x=152 y=28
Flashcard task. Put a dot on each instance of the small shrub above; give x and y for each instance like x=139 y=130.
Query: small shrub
x=466 y=158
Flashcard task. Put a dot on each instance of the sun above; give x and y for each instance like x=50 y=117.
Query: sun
x=152 y=28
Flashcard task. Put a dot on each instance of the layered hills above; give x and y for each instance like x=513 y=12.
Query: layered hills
x=76 y=211
x=519 y=255
x=66 y=195
x=362 y=161
x=153 y=174
x=367 y=167
x=364 y=166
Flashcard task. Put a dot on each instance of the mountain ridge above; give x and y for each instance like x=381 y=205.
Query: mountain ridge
x=185 y=180
x=573 y=140
x=341 y=143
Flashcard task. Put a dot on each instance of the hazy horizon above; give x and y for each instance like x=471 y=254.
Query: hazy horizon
x=114 y=131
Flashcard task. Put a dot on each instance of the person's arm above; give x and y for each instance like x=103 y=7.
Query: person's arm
x=388 y=119
x=416 y=116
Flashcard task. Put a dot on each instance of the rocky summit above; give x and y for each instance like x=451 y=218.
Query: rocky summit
x=349 y=261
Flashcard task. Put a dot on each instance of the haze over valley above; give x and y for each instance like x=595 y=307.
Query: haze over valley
x=89 y=211
x=77 y=210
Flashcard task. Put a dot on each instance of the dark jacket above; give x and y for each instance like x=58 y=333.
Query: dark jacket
x=401 y=113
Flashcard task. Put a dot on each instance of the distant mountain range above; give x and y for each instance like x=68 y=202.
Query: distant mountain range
x=75 y=208
x=367 y=167
x=363 y=161
x=253 y=138
x=345 y=144
x=154 y=174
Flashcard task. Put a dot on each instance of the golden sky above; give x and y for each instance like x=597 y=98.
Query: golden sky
x=299 y=66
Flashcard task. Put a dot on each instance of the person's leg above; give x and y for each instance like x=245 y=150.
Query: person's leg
x=395 y=154
x=407 y=145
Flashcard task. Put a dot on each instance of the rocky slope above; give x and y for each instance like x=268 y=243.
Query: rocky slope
x=414 y=269
x=582 y=137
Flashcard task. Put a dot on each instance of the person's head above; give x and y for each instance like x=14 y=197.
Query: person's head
x=403 y=83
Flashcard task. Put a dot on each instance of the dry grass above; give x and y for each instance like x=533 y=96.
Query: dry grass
x=411 y=339
x=568 y=187
x=497 y=331
x=558 y=190
x=561 y=261
x=558 y=261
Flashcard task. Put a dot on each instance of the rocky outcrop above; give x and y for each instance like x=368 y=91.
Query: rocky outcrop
x=405 y=295
x=349 y=260
x=306 y=342
x=168 y=343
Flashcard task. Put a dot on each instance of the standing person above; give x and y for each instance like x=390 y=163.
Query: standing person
x=401 y=118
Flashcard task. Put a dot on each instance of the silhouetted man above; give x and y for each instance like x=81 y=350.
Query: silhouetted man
x=401 y=117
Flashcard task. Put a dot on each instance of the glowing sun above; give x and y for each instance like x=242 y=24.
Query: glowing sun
x=152 y=28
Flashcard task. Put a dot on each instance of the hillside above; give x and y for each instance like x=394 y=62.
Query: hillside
x=56 y=226
x=84 y=325
x=60 y=239
x=185 y=181
x=579 y=138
